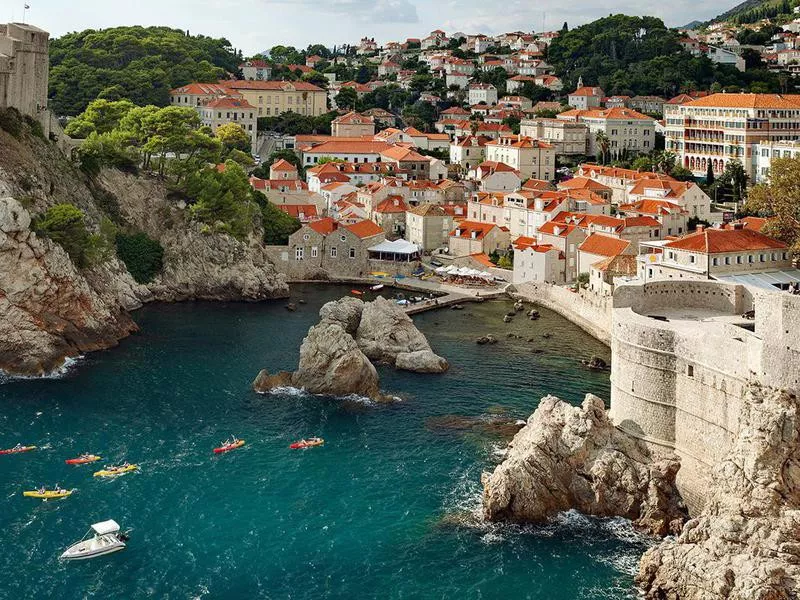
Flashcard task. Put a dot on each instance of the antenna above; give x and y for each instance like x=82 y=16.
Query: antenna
x=25 y=9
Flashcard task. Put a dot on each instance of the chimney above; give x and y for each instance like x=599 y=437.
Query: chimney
x=701 y=228
x=738 y=226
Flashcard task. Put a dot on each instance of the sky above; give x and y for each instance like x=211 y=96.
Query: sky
x=257 y=25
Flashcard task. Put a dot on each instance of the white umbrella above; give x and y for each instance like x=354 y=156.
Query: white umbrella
x=464 y=272
x=451 y=270
x=440 y=270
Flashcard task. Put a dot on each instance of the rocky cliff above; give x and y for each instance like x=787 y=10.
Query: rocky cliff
x=48 y=310
x=335 y=355
x=51 y=310
x=570 y=457
x=746 y=543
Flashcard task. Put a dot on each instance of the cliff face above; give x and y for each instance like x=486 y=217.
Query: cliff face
x=746 y=542
x=573 y=457
x=50 y=310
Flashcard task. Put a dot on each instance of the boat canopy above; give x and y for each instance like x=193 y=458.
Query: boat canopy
x=105 y=527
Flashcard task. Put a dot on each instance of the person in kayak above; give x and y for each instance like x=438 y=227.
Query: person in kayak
x=18 y=447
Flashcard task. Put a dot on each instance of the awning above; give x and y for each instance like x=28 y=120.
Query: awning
x=105 y=527
x=772 y=280
x=396 y=247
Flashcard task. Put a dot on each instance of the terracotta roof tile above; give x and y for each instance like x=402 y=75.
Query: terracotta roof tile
x=713 y=241
x=603 y=245
x=365 y=229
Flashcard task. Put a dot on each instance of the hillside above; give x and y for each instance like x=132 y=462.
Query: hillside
x=751 y=11
x=141 y=64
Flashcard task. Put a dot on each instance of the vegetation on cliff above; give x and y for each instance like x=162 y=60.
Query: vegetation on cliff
x=142 y=255
x=141 y=64
x=65 y=225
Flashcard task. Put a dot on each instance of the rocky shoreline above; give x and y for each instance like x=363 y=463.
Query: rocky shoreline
x=335 y=357
x=745 y=545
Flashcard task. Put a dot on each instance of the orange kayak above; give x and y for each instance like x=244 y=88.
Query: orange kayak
x=307 y=443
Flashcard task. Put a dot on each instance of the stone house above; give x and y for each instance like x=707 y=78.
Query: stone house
x=534 y=262
x=599 y=247
x=428 y=226
x=532 y=158
x=223 y=111
x=390 y=215
x=257 y=70
x=469 y=151
x=353 y=124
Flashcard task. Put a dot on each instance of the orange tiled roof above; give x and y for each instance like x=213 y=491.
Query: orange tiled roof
x=392 y=204
x=305 y=211
x=483 y=259
x=465 y=229
x=365 y=229
x=282 y=165
x=324 y=226
x=350 y=147
x=777 y=101
x=713 y=241
x=583 y=183
x=603 y=245
x=228 y=102
x=617 y=113
x=354 y=118
x=300 y=86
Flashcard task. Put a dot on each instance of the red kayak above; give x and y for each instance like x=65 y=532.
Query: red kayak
x=307 y=443
x=83 y=460
x=18 y=450
x=229 y=447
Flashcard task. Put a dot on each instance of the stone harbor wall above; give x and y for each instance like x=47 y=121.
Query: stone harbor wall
x=590 y=312
x=285 y=262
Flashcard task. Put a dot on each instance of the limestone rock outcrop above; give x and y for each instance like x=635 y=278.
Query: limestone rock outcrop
x=332 y=357
x=570 y=457
x=386 y=331
x=197 y=265
x=48 y=309
x=745 y=545
x=332 y=363
x=421 y=361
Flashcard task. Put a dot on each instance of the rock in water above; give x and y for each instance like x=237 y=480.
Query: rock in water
x=332 y=363
x=346 y=312
x=423 y=361
x=266 y=382
x=48 y=309
x=746 y=542
x=570 y=457
x=386 y=331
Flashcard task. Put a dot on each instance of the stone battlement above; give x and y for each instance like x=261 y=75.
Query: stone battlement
x=24 y=68
x=683 y=359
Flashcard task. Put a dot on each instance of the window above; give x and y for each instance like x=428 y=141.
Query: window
x=352 y=252
x=727 y=260
x=314 y=252
x=333 y=251
x=715 y=262
x=343 y=238
x=306 y=237
x=298 y=253
x=689 y=370
x=692 y=258
x=738 y=260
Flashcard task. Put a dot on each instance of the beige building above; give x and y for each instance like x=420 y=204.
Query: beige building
x=231 y=110
x=199 y=94
x=471 y=237
x=708 y=253
x=469 y=151
x=272 y=98
x=428 y=226
x=353 y=124
x=24 y=68
x=565 y=136
x=532 y=158
x=256 y=70
x=722 y=127
x=535 y=262
x=629 y=132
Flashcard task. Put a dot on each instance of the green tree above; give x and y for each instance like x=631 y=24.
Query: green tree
x=710 y=174
x=64 y=224
x=142 y=255
x=223 y=199
x=603 y=144
x=233 y=137
x=278 y=226
x=101 y=116
x=779 y=201
x=346 y=98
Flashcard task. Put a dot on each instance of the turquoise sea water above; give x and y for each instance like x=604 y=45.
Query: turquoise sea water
x=382 y=510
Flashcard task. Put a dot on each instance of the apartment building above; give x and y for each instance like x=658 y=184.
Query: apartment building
x=532 y=158
x=719 y=128
x=353 y=124
x=765 y=152
x=222 y=111
x=566 y=137
x=628 y=131
x=272 y=98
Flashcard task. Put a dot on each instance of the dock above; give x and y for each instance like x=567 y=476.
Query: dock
x=449 y=300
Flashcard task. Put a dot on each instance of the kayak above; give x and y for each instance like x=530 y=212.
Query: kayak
x=306 y=444
x=18 y=450
x=376 y=288
x=49 y=494
x=229 y=447
x=356 y=293
x=117 y=471
x=82 y=460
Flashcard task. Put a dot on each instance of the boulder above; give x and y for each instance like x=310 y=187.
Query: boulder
x=486 y=339
x=386 y=330
x=422 y=361
x=332 y=363
x=346 y=312
x=570 y=457
x=745 y=544
x=265 y=382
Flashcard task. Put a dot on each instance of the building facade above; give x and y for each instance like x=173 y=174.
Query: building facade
x=24 y=68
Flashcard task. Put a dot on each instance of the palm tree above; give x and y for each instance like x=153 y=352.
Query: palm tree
x=603 y=143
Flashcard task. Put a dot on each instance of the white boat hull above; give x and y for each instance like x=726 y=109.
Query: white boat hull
x=94 y=547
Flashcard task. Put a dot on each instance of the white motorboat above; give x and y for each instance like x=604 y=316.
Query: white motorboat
x=103 y=538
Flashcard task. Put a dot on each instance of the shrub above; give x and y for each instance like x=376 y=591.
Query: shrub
x=142 y=255
x=64 y=224
x=11 y=121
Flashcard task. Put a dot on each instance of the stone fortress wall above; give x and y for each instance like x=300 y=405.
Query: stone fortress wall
x=678 y=384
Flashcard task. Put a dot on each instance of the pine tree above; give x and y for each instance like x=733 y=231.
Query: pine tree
x=709 y=174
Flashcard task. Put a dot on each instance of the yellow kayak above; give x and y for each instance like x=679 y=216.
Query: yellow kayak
x=49 y=494
x=116 y=471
